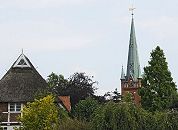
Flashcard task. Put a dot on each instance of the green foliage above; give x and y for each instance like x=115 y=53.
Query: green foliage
x=175 y=102
x=74 y=124
x=127 y=97
x=79 y=86
x=113 y=96
x=116 y=95
x=165 y=120
x=41 y=114
x=101 y=99
x=57 y=83
x=119 y=116
x=85 y=108
x=43 y=93
x=127 y=116
x=158 y=91
x=172 y=120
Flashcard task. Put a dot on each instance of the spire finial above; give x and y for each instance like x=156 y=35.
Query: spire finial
x=22 y=50
x=132 y=9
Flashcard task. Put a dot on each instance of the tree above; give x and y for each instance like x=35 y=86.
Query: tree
x=116 y=95
x=85 y=108
x=100 y=98
x=128 y=98
x=172 y=120
x=74 y=124
x=79 y=86
x=127 y=116
x=113 y=95
x=57 y=84
x=41 y=114
x=158 y=90
x=121 y=116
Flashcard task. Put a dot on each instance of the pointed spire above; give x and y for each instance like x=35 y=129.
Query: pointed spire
x=122 y=73
x=133 y=65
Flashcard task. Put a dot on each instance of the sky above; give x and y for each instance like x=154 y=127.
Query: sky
x=91 y=36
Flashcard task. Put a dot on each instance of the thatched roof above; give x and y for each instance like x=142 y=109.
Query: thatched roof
x=22 y=82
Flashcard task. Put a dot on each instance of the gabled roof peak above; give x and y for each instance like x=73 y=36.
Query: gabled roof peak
x=21 y=84
x=22 y=62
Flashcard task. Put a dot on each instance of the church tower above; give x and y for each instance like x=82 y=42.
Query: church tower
x=131 y=81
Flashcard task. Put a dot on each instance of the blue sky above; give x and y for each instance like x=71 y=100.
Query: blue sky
x=92 y=36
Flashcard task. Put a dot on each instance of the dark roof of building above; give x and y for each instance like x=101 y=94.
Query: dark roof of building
x=22 y=82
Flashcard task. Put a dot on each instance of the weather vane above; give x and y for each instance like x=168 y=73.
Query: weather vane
x=132 y=9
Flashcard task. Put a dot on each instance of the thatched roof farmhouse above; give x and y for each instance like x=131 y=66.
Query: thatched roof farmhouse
x=18 y=86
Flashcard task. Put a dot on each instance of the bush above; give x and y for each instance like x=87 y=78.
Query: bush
x=74 y=124
x=85 y=108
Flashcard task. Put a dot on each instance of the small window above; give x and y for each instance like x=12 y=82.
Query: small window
x=5 y=128
x=12 y=106
x=22 y=62
x=15 y=107
x=18 y=106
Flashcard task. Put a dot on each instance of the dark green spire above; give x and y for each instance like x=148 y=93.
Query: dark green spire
x=122 y=74
x=133 y=65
